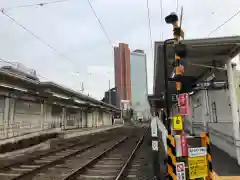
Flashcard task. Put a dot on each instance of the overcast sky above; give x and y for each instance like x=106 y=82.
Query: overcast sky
x=72 y=29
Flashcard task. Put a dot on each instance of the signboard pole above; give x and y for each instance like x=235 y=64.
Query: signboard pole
x=155 y=148
x=167 y=103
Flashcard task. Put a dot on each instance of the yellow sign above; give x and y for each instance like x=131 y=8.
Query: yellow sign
x=177 y=123
x=198 y=167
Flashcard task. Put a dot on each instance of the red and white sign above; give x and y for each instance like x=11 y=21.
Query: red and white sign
x=184 y=145
x=180 y=167
x=183 y=101
x=181 y=146
x=180 y=171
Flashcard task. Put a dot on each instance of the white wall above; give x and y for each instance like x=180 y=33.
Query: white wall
x=18 y=117
x=219 y=122
x=100 y=118
x=90 y=119
x=28 y=114
x=107 y=118
x=2 y=103
x=56 y=115
x=84 y=119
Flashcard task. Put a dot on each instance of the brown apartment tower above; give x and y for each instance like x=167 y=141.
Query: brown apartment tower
x=122 y=72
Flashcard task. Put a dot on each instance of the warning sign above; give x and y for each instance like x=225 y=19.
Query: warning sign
x=198 y=167
x=180 y=170
x=177 y=123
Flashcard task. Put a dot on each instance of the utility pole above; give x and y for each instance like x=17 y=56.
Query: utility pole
x=82 y=87
x=109 y=91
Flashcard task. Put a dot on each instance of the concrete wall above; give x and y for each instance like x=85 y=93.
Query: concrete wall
x=100 y=119
x=2 y=104
x=84 y=119
x=90 y=119
x=107 y=119
x=27 y=115
x=214 y=108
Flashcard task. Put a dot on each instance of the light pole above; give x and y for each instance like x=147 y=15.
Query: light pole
x=109 y=91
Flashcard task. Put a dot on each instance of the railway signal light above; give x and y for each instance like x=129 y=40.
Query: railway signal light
x=171 y=19
x=180 y=50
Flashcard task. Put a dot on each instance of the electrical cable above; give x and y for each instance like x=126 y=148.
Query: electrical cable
x=229 y=19
x=176 y=6
x=32 y=5
x=3 y=10
x=149 y=26
x=100 y=23
x=37 y=37
x=161 y=27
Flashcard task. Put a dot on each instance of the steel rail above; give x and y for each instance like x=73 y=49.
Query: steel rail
x=76 y=172
x=41 y=155
x=33 y=172
x=129 y=160
x=48 y=153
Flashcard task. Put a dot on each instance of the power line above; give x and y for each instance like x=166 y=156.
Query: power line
x=37 y=37
x=161 y=27
x=99 y=21
x=176 y=6
x=229 y=19
x=149 y=26
x=32 y=5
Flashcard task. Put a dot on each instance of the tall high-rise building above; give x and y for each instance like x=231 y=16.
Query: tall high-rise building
x=139 y=85
x=122 y=72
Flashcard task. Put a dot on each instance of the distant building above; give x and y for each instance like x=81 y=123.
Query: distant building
x=122 y=72
x=110 y=97
x=139 y=85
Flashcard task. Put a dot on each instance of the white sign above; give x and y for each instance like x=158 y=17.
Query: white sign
x=154 y=128
x=178 y=146
x=155 y=145
x=210 y=78
x=180 y=170
x=196 y=152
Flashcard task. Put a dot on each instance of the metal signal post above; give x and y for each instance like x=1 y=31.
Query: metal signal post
x=180 y=49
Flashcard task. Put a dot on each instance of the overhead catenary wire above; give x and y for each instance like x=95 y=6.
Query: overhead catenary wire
x=37 y=37
x=149 y=26
x=177 y=4
x=100 y=23
x=161 y=15
x=221 y=25
x=33 y=5
x=3 y=10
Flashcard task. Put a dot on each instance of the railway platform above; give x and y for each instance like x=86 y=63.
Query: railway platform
x=41 y=141
x=225 y=167
x=85 y=131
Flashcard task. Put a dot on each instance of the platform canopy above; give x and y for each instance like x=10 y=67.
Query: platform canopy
x=204 y=52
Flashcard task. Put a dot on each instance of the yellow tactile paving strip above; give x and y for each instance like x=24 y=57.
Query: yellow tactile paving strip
x=216 y=177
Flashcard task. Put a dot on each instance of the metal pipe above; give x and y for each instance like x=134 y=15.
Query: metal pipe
x=167 y=122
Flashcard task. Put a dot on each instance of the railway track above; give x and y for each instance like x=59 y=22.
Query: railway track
x=106 y=162
x=77 y=161
x=31 y=166
x=111 y=164
x=56 y=146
